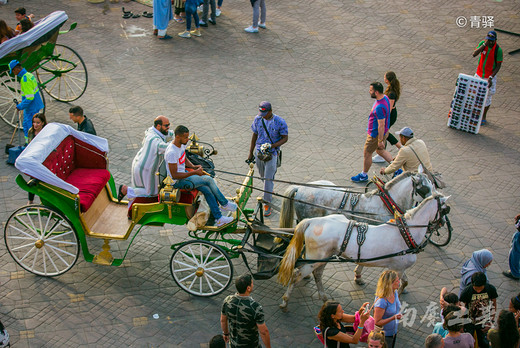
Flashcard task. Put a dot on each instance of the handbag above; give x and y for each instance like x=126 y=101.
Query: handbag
x=279 y=158
x=435 y=177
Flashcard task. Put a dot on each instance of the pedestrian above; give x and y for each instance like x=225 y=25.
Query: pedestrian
x=489 y=63
x=257 y=6
x=32 y=102
x=514 y=253
x=178 y=11
x=410 y=155
x=514 y=306
x=6 y=32
x=39 y=121
x=147 y=161
x=269 y=133
x=4 y=336
x=376 y=340
x=434 y=341
x=20 y=13
x=438 y=328
x=219 y=5
x=242 y=318
x=456 y=338
x=205 y=10
x=332 y=317
x=84 y=123
x=191 y=11
x=506 y=335
x=26 y=25
x=480 y=298
x=162 y=15
x=377 y=130
x=393 y=92
x=176 y=165
x=479 y=261
x=217 y=341
x=387 y=305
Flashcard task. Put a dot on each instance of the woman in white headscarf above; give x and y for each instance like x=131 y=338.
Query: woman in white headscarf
x=479 y=261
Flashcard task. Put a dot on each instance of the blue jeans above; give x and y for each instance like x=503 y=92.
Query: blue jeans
x=514 y=255
x=208 y=187
x=191 y=10
x=219 y=3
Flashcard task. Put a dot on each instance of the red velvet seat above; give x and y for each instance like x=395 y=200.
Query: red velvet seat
x=89 y=182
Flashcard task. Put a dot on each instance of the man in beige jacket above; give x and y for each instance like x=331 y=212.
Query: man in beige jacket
x=406 y=157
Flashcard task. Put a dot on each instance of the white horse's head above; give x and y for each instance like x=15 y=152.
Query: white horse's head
x=421 y=186
x=431 y=209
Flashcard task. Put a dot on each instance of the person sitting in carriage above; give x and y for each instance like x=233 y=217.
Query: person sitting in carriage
x=32 y=102
x=410 y=155
x=177 y=162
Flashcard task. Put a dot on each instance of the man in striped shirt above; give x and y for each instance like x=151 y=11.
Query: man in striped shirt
x=146 y=163
x=489 y=64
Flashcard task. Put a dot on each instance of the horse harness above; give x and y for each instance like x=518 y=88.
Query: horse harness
x=362 y=229
x=354 y=199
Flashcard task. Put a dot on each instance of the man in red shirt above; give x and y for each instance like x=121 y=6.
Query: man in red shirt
x=489 y=64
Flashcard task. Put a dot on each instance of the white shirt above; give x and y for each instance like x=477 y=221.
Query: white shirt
x=175 y=155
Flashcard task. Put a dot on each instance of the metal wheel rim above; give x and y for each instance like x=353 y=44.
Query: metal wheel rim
x=442 y=236
x=201 y=268
x=73 y=83
x=41 y=240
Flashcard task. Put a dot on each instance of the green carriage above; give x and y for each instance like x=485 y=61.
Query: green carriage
x=60 y=71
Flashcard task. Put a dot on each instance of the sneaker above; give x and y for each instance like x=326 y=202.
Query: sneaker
x=378 y=159
x=196 y=32
x=218 y=12
x=261 y=25
x=212 y=21
x=186 y=34
x=224 y=220
x=203 y=24
x=510 y=275
x=200 y=8
x=267 y=210
x=360 y=178
x=250 y=29
x=230 y=206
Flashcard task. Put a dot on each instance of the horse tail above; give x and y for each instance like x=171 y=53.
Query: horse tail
x=287 y=213
x=292 y=253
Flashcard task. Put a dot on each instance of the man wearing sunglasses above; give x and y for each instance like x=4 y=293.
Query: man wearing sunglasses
x=146 y=163
x=269 y=133
x=489 y=64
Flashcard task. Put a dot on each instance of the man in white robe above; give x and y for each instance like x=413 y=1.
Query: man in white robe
x=162 y=15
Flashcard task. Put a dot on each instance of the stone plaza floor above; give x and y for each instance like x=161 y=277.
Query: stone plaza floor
x=314 y=62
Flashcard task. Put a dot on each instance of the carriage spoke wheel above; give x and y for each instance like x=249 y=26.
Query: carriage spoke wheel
x=442 y=235
x=41 y=240
x=9 y=90
x=64 y=74
x=201 y=268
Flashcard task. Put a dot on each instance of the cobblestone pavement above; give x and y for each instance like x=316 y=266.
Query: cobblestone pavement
x=314 y=63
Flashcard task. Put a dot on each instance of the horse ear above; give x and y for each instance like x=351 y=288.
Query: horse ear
x=445 y=198
x=420 y=169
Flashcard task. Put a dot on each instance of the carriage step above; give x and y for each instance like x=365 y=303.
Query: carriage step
x=104 y=258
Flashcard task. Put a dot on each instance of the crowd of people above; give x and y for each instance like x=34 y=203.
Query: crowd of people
x=25 y=22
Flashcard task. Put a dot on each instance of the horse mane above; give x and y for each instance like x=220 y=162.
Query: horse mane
x=411 y=212
x=397 y=179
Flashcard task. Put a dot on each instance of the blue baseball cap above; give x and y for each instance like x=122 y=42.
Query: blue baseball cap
x=406 y=132
x=264 y=108
x=12 y=64
x=492 y=35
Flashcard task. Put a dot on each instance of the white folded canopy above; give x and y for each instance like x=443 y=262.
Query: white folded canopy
x=31 y=160
x=41 y=27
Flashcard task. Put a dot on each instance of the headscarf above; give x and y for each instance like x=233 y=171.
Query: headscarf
x=479 y=259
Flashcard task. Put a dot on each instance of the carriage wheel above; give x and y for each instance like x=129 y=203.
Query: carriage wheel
x=41 y=240
x=10 y=90
x=442 y=235
x=201 y=268
x=69 y=73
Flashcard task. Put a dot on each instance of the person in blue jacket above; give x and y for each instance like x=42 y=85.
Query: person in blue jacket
x=32 y=102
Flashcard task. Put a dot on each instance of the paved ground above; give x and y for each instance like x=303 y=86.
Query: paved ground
x=314 y=63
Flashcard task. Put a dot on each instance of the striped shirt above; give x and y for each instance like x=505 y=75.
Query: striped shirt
x=486 y=63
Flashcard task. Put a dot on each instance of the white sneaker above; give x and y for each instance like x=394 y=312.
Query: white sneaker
x=261 y=25
x=200 y=8
x=230 y=206
x=378 y=159
x=250 y=29
x=218 y=12
x=224 y=220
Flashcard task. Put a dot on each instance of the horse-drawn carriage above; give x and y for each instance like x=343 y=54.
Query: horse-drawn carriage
x=60 y=70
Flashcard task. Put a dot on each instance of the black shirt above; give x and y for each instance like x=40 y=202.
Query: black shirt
x=476 y=302
x=87 y=126
x=333 y=331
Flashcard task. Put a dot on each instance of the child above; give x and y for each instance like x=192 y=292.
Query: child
x=191 y=10
x=19 y=13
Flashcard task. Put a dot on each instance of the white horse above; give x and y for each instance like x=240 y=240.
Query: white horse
x=324 y=237
x=406 y=190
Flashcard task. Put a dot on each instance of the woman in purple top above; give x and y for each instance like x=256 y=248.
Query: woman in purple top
x=453 y=322
x=387 y=305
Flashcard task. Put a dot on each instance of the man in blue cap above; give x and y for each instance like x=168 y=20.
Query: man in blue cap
x=489 y=64
x=32 y=102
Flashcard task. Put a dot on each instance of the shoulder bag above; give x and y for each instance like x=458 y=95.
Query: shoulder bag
x=435 y=177
x=279 y=158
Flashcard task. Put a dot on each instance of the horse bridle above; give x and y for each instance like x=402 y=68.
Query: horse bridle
x=421 y=190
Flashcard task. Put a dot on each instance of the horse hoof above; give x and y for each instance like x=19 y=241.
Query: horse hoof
x=360 y=281
x=283 y=307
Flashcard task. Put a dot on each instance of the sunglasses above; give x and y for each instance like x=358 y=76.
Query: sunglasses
x=166 y=125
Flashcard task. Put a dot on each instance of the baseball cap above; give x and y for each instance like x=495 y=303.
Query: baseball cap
x=264 y=108
x=406 y=132
x=12 y=64
x=492 y=35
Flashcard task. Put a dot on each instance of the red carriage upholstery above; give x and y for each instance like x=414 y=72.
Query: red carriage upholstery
x=81 y=165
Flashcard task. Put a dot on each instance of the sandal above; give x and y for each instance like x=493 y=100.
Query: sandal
x=127 y=15
x=179 y=20
x=147 y=14
x=136 y=15
x=125 y=11
x=120 y=194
